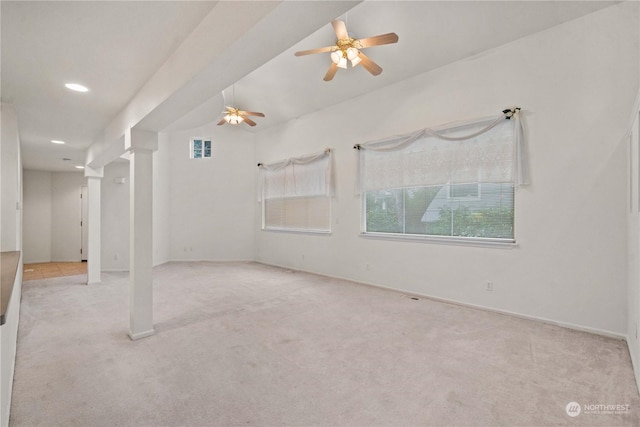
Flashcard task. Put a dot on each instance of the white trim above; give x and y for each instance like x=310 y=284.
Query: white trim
x=634 y=114
x=141 y=335
x=209 y=260
x=567 y=325
x=634 y=363
x=444 y=240
x=297 y=231
x=94 y=283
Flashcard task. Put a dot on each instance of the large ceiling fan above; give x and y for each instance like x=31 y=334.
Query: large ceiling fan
x=234 y=116
x=348 y=48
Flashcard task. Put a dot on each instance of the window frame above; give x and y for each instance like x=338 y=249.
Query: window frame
x=204 y=141
x=442 y=239
x=326 y=194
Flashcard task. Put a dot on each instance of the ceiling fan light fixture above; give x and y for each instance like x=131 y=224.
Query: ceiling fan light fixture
x=234 y=119
x=336 y=57
x=352 y=53
x=348 y=48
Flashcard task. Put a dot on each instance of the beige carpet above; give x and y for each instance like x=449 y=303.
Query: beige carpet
x=246 y=344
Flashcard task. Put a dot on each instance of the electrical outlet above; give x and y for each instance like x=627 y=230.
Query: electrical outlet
x=489 y=286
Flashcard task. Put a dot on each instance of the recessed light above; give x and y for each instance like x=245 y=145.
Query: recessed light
x=76 y=87
x=55 y=141
x=79 y=167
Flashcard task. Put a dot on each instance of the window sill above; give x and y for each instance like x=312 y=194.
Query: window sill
x=295 y=231
x=458 y=241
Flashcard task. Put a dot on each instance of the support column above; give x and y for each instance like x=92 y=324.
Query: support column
x=93 y=227
x=141 y=145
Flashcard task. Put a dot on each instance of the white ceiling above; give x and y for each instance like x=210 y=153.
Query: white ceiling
x=115 y=47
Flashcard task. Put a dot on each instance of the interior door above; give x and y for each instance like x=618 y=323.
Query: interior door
x=83 y=223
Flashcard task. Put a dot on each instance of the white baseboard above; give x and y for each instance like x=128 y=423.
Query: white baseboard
x=141 y=335
x=210 y=260
x=567 y=325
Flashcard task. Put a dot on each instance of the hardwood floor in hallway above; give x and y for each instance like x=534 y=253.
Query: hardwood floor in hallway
x=53 y=269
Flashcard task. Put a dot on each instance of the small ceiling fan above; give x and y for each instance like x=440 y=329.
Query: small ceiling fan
x=349 y=48
x=234 y=116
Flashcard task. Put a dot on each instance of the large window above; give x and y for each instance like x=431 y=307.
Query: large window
x=453 y=183
x=296 y=194
x=477 y=210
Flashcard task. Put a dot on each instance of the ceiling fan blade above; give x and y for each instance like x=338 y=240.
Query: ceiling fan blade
x=250 y=113
x=332 y=72
x=341 y=29
x=248 y=121
x=221 y=122
x=369 y=65
x=318 y=50
x=379 y=40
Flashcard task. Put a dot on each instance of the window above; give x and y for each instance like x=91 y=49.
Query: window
x=200 y=148
x=443 y=183
x=431 y=210
x=296 y=194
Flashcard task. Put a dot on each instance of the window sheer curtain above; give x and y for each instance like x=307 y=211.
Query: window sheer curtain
x=296 y=193
x=304 y=176
x=484 y=150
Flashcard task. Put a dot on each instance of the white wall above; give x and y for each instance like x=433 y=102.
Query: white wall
x=162 y=201
x=213 y=200
x=52 y=214
x=11 y=182
x=11 y=238
x=114 y=235
x=573 y=82
x=37 y=216
x=66 y=239
x=633 y=321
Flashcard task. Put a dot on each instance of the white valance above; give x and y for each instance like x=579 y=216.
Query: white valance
x=297 y=177
x=484 y=150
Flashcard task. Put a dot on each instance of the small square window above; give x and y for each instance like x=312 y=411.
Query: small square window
x=200 y=148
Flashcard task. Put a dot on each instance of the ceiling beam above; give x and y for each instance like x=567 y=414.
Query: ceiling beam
x=228 y=44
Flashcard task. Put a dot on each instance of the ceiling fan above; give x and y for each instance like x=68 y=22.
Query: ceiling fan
x=234 y=116
x=349 y=48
